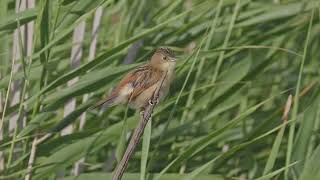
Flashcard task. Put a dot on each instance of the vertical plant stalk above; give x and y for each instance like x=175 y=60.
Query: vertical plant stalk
x=296 y=100
x=276 y=145
x=31 y=159
x=29 y=31
x=4 y=59
x=186 y=114
x=76 y=55
x=226 y=41
x=18 y=120
x=6 y=99
x=30 y=46
x=145 y=150
x=92 y=53
x=1 y=134
x=16 y=55
x=135 y=139
x=133 y=52
x=35 y=143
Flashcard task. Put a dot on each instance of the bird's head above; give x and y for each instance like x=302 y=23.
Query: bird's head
x=163 y=58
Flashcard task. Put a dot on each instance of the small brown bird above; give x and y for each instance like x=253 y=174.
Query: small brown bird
x=138 y=86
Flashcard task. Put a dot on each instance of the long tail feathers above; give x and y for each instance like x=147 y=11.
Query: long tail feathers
x=106 y=102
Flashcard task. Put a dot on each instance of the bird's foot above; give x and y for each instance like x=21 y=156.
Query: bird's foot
x=153 y=102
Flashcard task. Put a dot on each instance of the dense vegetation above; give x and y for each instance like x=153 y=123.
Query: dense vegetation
x=238 y=63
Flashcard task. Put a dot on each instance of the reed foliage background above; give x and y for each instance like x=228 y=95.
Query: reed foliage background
x=238 y=63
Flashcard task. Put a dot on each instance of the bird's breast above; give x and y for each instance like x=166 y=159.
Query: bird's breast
x=170 y=74
x=142 y=99
x=167 y=82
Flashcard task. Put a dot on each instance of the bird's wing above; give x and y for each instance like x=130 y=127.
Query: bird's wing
x=140 y=79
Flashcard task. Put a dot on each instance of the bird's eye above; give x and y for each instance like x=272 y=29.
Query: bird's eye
x=164 y=58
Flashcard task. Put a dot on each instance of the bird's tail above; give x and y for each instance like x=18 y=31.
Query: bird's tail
x=106 y=102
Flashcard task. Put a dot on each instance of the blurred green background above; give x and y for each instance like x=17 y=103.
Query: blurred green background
x=239 y=63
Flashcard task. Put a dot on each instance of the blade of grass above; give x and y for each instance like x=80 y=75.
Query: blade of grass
x=302 y=142
x=145 y=150
x=233 y=150
x=200 y=67
x=276 y=145
x=311 y=169
x=11 y=22
x=276 y=172
x=121 y=147
x=205 y=141
x=19 y=39
x=226 y=40
x=296 y=100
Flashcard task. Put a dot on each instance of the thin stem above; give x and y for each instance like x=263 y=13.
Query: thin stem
x=92 y=53
x=31 y=159
x=296 y=100
x=7 y=96
x=22 y=53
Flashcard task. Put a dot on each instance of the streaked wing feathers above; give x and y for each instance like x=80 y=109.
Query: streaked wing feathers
x=140 y=79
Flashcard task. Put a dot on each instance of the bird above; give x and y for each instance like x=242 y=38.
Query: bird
x=138 y=87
